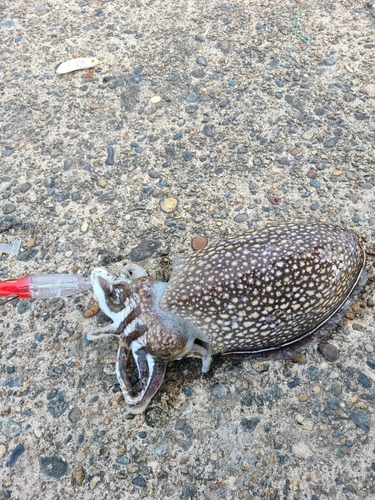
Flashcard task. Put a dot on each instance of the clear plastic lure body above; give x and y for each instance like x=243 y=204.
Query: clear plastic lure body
x=48 y=286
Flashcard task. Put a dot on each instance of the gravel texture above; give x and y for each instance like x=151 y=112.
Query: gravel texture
x=202 y=119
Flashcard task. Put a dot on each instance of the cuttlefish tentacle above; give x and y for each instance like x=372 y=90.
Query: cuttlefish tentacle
x=203 y=353
x=151 y=375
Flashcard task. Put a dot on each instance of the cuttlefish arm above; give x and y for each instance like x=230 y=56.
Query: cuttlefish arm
x=151 y=375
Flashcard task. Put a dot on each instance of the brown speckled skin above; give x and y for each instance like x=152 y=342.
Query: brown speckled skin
x=162 y=340
x=265 y=288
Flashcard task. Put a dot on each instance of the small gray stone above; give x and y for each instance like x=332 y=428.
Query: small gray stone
x=8 y=24
x=57 y=407
x=8 y=152
x=178 y=136
x=23 y=306
x=117 y=83
x=187 y=156
x=329 y=351
x=110 y=160
x=190 y=491
x=192 y=97
x=241 y=217
x=259 y=26
x=364 y=380
x=361 y=419
x=75 y=415
x=67 y=164
x=76 y=196
x=331 y=61
x=207 y=131
x=144 y=250
x=8 y=208
x=191 y=109
x=315 y=183
x=25 y=187
x=139 y=481
x=15 y=455
x=109 y=256
x=201 y=60
x=319 y=111
x=161 y=448
x=336 y=389
x=313 y=372
x=27 y=255
x=156 y=417
x=248 y=424
x=332 y=141
x=361 y=116
x=10 y=428
x=53 y=466
x=183 y=426
x=195 y=470
x=198 y=73
x=224 y=103
x=219 y=391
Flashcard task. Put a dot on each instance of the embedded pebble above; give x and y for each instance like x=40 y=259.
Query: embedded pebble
x=260 y=366
x=2 y=450
x=16 y=453
x=201 y=60
x=81 y=456
x=301 y=450
x=110 y=160
x=168 y=204
x=364 y=380
x=94 y=481
x=10 y=428
x=312 y=173
x=219 y=391
x=332 y=141
x=329 y=351
x=8 y=208
x=198 y=242
x=144 y=250
x=308 y=135
x=75 y=415
x=241 y=217
x=53 y=466
x=8 y=152
x=315 y=183
x=155 y=99
x=296 y=151
x=274 y=200
x=25 y=187
x=361 y=419
x=78 y=474
x=140 y=482
x=248 y=424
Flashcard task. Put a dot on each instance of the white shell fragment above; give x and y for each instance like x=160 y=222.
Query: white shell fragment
x=76 y=64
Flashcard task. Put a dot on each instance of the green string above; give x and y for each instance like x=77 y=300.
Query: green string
x=295 y=32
